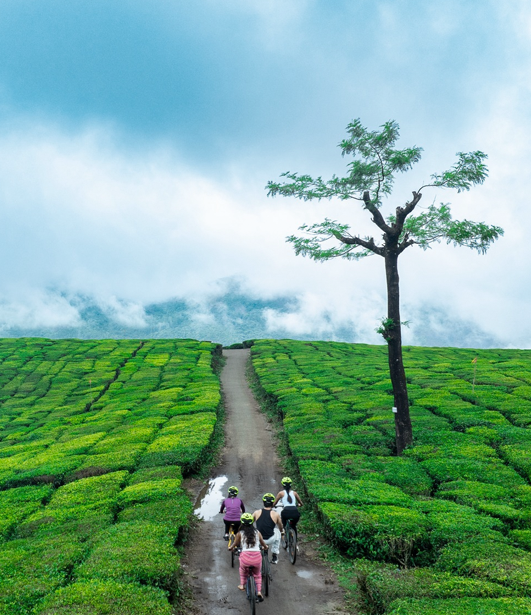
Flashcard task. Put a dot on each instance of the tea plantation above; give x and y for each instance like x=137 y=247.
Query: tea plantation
x=95 y=437
x=444 y=529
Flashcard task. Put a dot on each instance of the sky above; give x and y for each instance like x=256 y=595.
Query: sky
x=137 y=138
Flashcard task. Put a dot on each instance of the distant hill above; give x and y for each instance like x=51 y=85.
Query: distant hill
x=233 y=316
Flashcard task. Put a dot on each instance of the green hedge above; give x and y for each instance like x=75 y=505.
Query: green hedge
x=388 y=533
x=382 y=584
x=134 y=552
x=105 y=598
x=462 y=606
x=493 y=561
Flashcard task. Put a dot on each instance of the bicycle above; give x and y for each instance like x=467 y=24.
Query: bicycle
x=289 y=541
x=266 y=572
x=232 y=538
x=250 y=590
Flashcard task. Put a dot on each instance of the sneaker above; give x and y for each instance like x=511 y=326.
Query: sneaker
x=226 y=537
x=274 y=559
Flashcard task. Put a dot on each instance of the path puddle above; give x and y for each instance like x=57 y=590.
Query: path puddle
x=305 y=574
x=211 y=498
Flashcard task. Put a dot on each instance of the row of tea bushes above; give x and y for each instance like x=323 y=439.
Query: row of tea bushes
x=91 y=504
x=457 y=500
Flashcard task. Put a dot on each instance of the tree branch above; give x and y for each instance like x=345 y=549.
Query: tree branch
x=403 y=212
x=368 y=244
x=377 y=217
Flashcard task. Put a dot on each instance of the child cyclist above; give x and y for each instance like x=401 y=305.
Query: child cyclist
x=290 y=500
x=233 y=508
x=250 y=540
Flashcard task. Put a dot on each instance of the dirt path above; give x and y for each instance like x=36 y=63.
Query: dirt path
x=249 y=462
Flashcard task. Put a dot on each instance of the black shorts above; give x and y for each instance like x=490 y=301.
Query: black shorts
x=236 y=525
x=290 y=512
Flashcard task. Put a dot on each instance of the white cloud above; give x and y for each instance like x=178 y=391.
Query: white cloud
x=130 y=228
x=37 y=308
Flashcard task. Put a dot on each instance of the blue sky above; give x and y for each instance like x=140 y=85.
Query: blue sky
x=136 y=140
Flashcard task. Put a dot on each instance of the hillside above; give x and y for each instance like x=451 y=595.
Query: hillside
x=452 y=517
x=96 y=436
x=94 y=440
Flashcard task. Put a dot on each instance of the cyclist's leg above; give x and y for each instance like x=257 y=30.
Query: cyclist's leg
x=227 y=528
x=244 y=569
x=274 y=544
x=255 y=569
x=295 y=515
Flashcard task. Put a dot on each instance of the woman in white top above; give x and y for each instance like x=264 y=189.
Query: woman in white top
x=290 y=501
x=250 y=540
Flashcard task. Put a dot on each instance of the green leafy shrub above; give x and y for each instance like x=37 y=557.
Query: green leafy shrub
x=451 y=522
x=134 y=552
x=462 y=606
x=399 y=471
x=173 y=513
x=149 y=491
x=183 y=442
x=94 y=491
x=105 y=598
x=125 y=458
x=155 y=473
x=522 y=538
x=493 y=561
x=478 y=470
x=382 y=584
x=380 y=532
x=30 y=569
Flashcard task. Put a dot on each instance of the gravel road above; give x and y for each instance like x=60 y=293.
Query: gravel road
x=250 y=462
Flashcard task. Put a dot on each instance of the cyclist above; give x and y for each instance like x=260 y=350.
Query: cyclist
x=269 y=524
x=290 y=500
x=233 y=508
x=250 y=540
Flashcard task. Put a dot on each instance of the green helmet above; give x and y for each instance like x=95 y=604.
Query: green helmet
x=286 y=481
x=268 y=498
x=233 y=490
x=247 y=519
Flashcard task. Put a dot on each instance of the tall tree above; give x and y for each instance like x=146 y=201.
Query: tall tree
x=370 y=178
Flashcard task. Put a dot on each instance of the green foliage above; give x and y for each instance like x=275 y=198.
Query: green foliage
x=182 y=442
x=173 y=513
x=105 y=597
x=76 y=417
x=464 y=482
x=388 y=533
x=94 y=491
x=370 y=178
x=462 y=606
x=156 y=473
x=149 y=491
x=132 y=552
x=382 y=584
x=30 y=569
x=493 y=561
x=435 y=224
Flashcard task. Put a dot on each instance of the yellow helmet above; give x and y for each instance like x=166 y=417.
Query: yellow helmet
x=247 y=519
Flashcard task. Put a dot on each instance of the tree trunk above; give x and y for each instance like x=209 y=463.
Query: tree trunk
x=403 y=429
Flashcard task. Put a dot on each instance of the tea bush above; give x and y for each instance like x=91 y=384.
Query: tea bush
x=105 y=598
x=466 y=477
x=89 y=435
x=462 y=606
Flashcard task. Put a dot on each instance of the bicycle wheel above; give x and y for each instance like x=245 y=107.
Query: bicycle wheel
x=250 y=587
x=292 y=545
x=266 y=573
